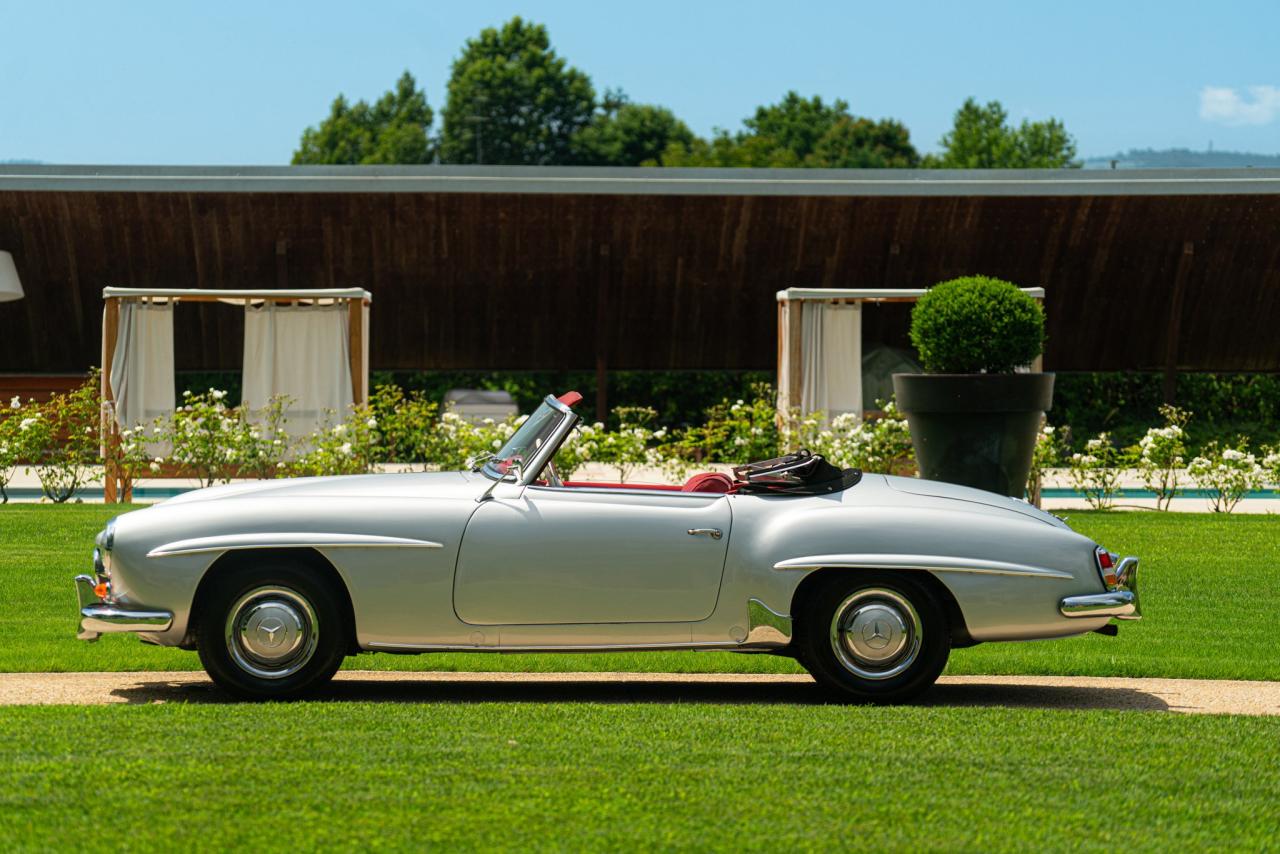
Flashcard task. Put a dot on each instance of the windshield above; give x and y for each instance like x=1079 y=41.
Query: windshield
x=524 y=445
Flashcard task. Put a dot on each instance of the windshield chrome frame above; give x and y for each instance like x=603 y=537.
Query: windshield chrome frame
x=533 y=467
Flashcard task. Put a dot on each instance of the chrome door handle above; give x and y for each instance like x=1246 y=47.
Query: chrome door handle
x=713 y=533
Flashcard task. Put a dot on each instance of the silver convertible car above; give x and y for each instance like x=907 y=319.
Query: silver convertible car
x=868 y=581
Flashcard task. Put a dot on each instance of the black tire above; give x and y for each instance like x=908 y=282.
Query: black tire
x=894 y=620
x=271 y=630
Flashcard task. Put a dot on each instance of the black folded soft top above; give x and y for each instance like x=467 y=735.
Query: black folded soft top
x=800 y=473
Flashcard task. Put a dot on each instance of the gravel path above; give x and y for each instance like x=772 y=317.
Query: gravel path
x=1189 y=696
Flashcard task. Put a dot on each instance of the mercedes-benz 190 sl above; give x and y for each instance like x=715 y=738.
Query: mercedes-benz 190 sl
x=867 y=580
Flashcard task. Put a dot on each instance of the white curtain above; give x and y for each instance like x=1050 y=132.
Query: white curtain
x=302 y=352
x=142 y=366
x=831 y=354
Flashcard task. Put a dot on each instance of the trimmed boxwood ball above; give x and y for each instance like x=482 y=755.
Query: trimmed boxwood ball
x=976 y=324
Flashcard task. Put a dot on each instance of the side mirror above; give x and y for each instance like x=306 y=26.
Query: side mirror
x=513 y=474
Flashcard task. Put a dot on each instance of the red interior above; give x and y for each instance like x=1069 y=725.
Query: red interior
x=711 y=481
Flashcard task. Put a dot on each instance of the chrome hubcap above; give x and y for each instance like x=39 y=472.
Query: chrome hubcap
x=272 y=632
x=875 y=633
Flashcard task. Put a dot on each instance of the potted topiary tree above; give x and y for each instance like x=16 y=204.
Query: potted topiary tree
x=973 y=416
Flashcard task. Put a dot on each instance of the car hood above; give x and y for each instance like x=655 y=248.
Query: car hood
x=952 y=492
x=407 y=484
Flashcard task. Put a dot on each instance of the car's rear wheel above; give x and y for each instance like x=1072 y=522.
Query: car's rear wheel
x=873 y=637
x=271 y=630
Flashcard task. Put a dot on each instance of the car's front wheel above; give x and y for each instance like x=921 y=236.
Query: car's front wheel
x=271 y=630
x=873 y=637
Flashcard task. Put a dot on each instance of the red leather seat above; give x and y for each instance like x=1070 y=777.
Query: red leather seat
x=708 y=481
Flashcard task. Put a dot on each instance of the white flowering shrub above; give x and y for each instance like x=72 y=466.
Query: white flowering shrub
x=735 y=432
x=578 y=449
x=880 y=444
x=1160 y=455
x=18 y=441
x=1046 y=454
x=407 y=425
x=1271 y=465
x=1226 y=473
x=264 y=444
x=455 y=442
x=1095 y=472
x=336 y=447
x=204 y=437
x=63 y=439
x=130 y=456
x=626 y=448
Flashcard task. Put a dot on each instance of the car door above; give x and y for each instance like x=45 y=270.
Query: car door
x=582 y=555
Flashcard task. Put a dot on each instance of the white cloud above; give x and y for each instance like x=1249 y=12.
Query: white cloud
x=1258 y=105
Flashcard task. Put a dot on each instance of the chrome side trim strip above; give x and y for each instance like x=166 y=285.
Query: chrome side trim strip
x=287 y=540
x=595 y=647
x=766 y=628
x=933 y=563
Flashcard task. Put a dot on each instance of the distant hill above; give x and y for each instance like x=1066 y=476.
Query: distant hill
x=1184 y=158
x=20 y=161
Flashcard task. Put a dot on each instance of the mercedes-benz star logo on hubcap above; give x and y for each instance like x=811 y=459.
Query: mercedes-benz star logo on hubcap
x=876 y=634
x=270 y=629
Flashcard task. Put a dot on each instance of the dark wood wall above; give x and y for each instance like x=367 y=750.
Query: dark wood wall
x=548 y=281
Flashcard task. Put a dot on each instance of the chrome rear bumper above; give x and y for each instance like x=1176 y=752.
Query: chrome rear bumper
x=99 y=616
x=1120 y=601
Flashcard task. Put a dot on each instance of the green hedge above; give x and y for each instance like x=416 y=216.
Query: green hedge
x=1223 y=406
x=1125 y=403
x=680 y=397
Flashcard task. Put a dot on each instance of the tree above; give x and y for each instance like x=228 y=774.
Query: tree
x=858 y=143
x=802 y=132
x=393 y=130
x=982 y=138
x=626 y=134
x=513 y=101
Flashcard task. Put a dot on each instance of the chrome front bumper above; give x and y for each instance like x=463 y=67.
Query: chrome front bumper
x=99 y=616
x=1120 y=601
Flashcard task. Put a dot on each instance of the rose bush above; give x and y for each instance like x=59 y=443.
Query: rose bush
x=1095 y=473
x=1226 y=473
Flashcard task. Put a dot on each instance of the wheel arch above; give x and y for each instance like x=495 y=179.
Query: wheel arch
x=234 y=558
x=958 y=628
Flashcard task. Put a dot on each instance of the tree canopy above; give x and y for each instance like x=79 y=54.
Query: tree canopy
x=982 y=138
x=799 y=132
x=626 y=134
x=512 y=100
x=395 y=129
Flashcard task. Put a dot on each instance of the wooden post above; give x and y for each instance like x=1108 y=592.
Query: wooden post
x=795 y=353
x=1175 y=322
x=355 y=342
x=110 y=328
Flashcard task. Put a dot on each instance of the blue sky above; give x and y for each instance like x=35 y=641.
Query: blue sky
x=235 y=83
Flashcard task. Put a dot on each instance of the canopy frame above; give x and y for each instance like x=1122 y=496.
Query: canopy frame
x=790 y=365
x=357 y=300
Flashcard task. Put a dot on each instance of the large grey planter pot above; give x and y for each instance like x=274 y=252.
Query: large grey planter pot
x=975 y=430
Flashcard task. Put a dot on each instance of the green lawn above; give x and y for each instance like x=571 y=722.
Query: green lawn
x=633 y=776
x=1210 y=588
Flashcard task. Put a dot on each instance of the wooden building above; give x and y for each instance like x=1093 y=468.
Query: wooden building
x=515 y=268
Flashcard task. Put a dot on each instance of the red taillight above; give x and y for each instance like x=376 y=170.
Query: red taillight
x=1106 y=567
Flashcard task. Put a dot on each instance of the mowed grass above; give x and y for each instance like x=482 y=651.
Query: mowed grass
x=633 y=776
x=1210 y=589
